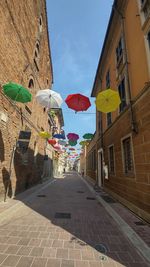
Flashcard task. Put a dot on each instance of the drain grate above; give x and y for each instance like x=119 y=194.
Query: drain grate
x=80 y=192
x=41 y=195
x=108 y=199
x=140 y=223
x=103 y=258
x=101 y=248
x=90 y=198
x=62 y=215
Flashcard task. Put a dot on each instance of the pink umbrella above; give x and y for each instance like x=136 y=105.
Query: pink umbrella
x=57 y=147
x=73 y=136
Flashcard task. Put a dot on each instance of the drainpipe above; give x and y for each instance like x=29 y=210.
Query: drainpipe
x=134 y=126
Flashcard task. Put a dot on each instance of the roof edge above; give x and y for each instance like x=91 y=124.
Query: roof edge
x=103 y=47
x=48 y=41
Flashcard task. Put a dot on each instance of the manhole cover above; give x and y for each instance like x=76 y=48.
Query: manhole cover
x=90 y=198
x=140 y=223
x=101 y=248
x=103 y=258
x=80 y=192
x=41 y=195
x=61 y=215
x=108 y=199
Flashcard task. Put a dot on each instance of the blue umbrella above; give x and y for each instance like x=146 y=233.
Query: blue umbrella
x=59 y=136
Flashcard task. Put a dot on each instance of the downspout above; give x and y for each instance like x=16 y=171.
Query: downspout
x=134 y=126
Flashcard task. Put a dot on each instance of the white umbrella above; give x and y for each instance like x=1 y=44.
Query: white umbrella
x=49 y=98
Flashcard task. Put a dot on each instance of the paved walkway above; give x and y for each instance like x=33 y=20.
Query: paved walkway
x=63 y=225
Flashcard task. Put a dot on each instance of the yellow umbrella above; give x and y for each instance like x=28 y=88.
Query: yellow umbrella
x=44 y=134
x=107 y=101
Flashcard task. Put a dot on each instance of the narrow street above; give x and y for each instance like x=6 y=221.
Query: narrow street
x=60 y=223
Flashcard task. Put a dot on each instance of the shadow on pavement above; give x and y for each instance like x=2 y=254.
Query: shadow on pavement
x=65 y=205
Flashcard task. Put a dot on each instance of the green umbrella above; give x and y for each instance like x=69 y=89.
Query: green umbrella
x=83 y=143
x=72 y=143
x=88 y=136
x=17 y=92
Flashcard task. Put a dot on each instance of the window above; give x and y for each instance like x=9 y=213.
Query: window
x=99 y=122
x=31 y=84
x=122 y=93
x=108 y=79
x=109 y=119
x=40 y=23
x=37 y=55
x=127 y=155
x=119 y=51
x=145 y=8
x=111 y=159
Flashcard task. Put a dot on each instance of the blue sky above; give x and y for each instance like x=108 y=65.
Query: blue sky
x=77 y=29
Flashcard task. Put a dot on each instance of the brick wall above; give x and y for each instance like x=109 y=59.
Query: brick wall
x=133 y=190
x=23 y=24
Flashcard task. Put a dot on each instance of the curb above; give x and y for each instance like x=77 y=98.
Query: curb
x=138 y=243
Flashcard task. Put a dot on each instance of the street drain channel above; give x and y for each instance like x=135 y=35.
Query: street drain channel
x=62 y=215
x=41 y=195
x=140 y=223
x=101 y=248
x=90 y=198
x=108 y=199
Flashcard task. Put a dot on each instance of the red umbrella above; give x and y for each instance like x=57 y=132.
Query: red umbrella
x=78 y=102
x=52 y=141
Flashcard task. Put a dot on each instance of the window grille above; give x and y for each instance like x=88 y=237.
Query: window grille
x=111 y=160
x=127 y=155
x=119 y=51
x=122 y=93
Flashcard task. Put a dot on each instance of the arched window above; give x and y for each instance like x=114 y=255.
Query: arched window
x=37 y=54
x=31 y=83
x=40 y=23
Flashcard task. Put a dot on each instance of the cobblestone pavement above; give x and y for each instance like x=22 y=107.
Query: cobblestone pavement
x=63 y=225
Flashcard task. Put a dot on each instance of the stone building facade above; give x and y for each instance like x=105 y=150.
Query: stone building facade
x=25 y=59
x=122 y=142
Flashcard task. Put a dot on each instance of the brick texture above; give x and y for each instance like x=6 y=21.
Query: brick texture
x=25 y=24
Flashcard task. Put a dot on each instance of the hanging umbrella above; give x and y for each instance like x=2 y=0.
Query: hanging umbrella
x=72 y=136
x=57 y=147
x=78 y=102
x=62 y=142
x=107 y=101
x=49 y=98
x=17 y=92
x=59 y=136
x=52 y=141
x=71 y=148
x=72 y=143
x=88 y=136
x=83 y=143
x=44 y=134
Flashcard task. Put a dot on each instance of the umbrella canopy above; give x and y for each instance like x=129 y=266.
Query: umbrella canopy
x=44 y=134
x=107 y=101
x=88 y=136
x=72 y=136
x=17 y=92
x=78 y=102
x=71 y=148
x=49 y=98
x=62 y=142
x=52 y=141
x=57 y=147
x=83 y=143
x=59 y=136
x=72 y=143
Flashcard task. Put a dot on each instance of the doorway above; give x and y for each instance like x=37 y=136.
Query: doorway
x=100 y=167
